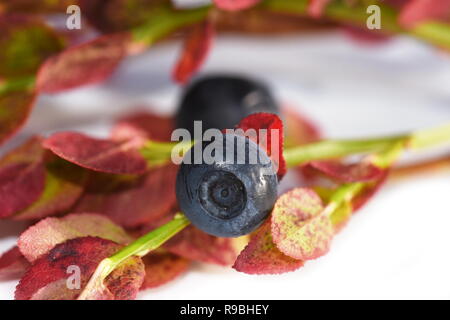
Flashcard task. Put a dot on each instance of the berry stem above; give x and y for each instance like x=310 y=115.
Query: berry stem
x=329 y=149
x=157 y=153
x=140 y=247
x=435 y=32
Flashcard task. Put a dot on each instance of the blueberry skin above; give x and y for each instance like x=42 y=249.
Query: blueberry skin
x=221 y=101
x=227 y=199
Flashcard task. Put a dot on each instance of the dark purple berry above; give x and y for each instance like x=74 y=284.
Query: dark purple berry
x=221 y=101
x=228 y=198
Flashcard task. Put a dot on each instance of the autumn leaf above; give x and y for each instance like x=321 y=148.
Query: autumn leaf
x=22 y=177
x=299 y=227
x=96 y=154
x=15 y=108
x=26 y=42
x=88 y=63
x=48 y=277
x=40 y=238
x=144 y=126
x=195 y=51
x=12 y=264
x=194 y=244
x=64 y=184
x=369 y=191
x=272 y=124
x=299 y=129
x=416 y=12
x=162 y=267
x=316 y=7
x=132 y=201
x=261 y=255
x=235 y=5
x=361 y=171
x=365 y=36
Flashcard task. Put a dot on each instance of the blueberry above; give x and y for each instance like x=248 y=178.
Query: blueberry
x=221 y=101
x=233 y=194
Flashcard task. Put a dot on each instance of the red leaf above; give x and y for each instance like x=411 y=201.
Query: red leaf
x=12 y=264
x=369 y=191
x=261 y=256
x=26 y=42
x=64 y=184
x=299 y=229
x=235 y=5
x=358 y=172
x=273 y=124
x=195 y=51
x=299 y=129
x=161 y=268
x=96 y=154
x=15 y=108
x=316 y=7
x=22 y=177
x=365 y=36
x=143 y=126
x=194 y=244
x=46 y=279
x=132 y=203
x=46 y=234
x=418 y=11
x=85 y=64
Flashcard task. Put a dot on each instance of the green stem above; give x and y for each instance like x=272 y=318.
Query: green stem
x=160 y=152
x=328 y=149
x=164 y=20
x=434 y=32
x=344 y=193
x=430 y=137
x=157 y=153
x=140 y=247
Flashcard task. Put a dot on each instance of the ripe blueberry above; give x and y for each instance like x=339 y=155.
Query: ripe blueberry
x=233 y=194
x=221 y=101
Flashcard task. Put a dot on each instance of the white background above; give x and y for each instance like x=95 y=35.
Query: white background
x=396 y=247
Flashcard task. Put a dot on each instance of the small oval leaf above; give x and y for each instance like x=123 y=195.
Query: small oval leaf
x=273 y=126
x=96 y=154
x=84 y=64
x=299 y=228
x=195 y=51
x=362 y=171
x=40 y=238
x=261 y=256
x=22 y=177
x=162 y=267
x=47 y=277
